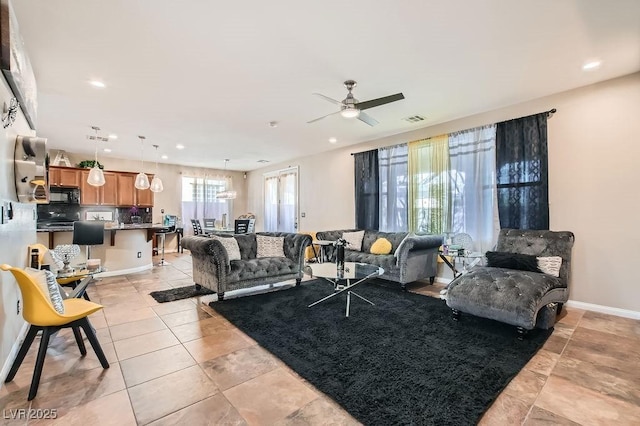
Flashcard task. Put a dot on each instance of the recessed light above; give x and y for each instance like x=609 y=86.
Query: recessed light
x=164 y=157
x=97 y=83
x=333 y=140
x=591 y=65
x=273 y=124
x=113 y=136
x=179 y=146
x=107 y=150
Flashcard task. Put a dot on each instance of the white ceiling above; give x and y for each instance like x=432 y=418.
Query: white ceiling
x=211 y=75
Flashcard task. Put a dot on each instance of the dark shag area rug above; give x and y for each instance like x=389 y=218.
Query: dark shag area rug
x=402 y=361
x=162 y=296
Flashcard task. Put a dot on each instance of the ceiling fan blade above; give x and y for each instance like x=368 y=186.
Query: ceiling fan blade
x=366 y=118
x=333 y=101
x=320 y=118
x=380 y=101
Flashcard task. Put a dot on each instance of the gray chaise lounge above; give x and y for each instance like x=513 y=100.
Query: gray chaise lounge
x=522 y=298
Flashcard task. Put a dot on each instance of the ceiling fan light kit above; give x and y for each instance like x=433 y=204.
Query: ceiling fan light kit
x=350 y=107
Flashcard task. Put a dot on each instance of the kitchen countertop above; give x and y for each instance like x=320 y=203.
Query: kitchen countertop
x=126 y=226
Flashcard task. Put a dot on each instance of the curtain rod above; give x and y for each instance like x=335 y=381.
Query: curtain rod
x=549 y=115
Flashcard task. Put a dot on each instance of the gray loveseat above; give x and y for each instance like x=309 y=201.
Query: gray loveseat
x=416 y=259
x=212 y=268
x=522 y=298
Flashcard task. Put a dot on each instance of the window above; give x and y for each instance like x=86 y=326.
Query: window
x=199 y=198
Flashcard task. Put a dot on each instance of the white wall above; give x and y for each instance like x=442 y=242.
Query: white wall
x=15 y=236
x=594 y=152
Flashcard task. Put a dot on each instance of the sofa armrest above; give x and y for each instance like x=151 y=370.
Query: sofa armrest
x=418 y=242
x=296 y=245
x=210 y=248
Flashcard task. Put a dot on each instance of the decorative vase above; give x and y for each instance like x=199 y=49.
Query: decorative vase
x=340 y=255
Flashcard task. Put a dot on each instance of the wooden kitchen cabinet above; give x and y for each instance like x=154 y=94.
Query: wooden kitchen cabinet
x=105 y=195
x=129 y=196
x=126 y=189
x=108 y=193
x=64 y=176
x=144 y=197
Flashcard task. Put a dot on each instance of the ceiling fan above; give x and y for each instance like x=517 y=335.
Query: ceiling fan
x=350 y=107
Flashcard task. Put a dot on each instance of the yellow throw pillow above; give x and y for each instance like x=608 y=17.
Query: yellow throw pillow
x=381 y=246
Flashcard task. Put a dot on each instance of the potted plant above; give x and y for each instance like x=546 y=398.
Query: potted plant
x=87 y=164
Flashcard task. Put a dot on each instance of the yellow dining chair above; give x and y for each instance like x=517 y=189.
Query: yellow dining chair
x=41 y=315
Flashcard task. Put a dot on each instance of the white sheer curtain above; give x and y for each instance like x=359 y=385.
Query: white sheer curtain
x=199 y=199
x=287 y=220
x=271 y=203
x=473 y=176
x=393 y=174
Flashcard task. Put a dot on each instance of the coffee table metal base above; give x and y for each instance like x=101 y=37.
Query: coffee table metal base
x=341 y=289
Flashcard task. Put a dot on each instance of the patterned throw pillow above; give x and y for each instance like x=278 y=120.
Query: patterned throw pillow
x=46 y=280
x=230 y=244
x=550 y=265
x=270 y=246
x=354 y=240
x=381 y=246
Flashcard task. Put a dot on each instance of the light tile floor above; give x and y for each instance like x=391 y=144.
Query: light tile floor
x=181 y=363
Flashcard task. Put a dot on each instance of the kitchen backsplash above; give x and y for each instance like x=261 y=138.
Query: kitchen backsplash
x=129 y=215
x=74 y=212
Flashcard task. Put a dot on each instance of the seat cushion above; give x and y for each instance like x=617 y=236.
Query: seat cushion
x=242 y=270
x=506 y=295
x=385 y=261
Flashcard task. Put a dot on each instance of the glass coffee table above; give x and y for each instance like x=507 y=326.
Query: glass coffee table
x=354 y=274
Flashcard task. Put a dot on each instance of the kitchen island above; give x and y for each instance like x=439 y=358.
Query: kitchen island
x=127 y=249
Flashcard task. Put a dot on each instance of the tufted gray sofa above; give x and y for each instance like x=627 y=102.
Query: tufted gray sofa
x=212 y=269
x=512 y=296
x=417 y=258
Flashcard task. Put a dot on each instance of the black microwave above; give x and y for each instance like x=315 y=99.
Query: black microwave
x=64 y=196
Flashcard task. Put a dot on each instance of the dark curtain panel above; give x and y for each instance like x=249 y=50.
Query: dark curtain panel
x=522 y=173
x=367 y=197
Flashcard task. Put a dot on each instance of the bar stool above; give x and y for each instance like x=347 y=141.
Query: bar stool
x=162 y=233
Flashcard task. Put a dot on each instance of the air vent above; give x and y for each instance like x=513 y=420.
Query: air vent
x=414 y=119
x=99 y=138
x=263 y=161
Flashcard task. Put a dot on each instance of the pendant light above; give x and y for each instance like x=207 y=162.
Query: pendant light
x=156 y=183
x=142 y=181
x=226 y=195
x=96 y=176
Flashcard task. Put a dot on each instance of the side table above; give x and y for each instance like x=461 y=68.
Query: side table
x=468 y=260
x=322 y=256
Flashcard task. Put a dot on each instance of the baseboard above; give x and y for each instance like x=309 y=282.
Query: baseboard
x=124 y=271
x=13 y=352
x=626 y=313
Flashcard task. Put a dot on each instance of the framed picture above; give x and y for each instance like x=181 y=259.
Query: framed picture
x=15 y=64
